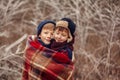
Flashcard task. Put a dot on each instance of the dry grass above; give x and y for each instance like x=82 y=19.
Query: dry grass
x=97 y=45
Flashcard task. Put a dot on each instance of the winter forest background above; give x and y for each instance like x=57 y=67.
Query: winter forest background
x=97 y=42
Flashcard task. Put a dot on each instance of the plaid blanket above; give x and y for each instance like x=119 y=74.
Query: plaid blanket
x=45 y=64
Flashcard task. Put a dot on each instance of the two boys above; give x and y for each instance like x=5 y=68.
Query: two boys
x=61 y=44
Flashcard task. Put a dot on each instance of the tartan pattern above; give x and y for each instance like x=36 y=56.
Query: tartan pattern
x=41 y=65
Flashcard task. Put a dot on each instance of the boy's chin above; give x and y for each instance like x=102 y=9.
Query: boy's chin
x=47 y=43
x=58 y=41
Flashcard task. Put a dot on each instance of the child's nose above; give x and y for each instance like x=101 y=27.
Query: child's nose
x=49 y=35
x=59 y=36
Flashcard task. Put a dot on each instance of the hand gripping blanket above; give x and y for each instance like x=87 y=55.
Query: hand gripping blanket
x=45 y=64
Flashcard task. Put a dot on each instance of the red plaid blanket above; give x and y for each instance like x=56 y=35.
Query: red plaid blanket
x=45 y=64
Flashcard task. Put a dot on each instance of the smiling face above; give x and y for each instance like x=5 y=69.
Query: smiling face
x=61 y=34
x=47 y=33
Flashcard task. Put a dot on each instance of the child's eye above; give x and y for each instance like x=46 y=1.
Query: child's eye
x=45 y=32
x=57 y=33
x=64 y=35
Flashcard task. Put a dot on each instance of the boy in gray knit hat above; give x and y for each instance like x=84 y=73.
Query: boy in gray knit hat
x=64 y=37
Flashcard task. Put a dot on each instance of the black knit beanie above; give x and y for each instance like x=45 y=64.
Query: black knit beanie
x=40 y=26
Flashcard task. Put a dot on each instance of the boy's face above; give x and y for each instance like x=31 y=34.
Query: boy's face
x=46 y=34
x=60 y=36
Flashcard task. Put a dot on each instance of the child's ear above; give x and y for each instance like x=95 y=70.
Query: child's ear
x=69 y=38
x=39 y=36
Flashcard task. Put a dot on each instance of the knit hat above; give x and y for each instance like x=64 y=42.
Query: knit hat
x=69 y=24
x=41 y=25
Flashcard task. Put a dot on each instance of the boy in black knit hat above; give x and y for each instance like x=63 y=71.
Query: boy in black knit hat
x=64 y=37
x=43 y=38
x=45 y=32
